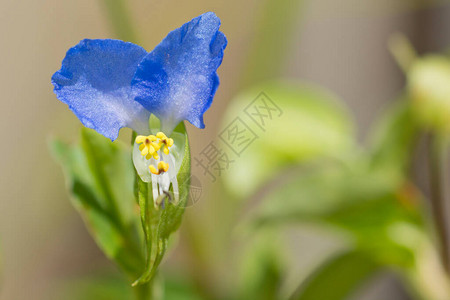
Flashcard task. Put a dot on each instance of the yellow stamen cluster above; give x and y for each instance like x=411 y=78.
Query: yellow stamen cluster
x=162 y=167
x=150 y=145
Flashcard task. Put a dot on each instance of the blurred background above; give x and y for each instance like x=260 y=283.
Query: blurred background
x=341 y=46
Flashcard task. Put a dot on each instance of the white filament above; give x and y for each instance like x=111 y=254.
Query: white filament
x=172 y=176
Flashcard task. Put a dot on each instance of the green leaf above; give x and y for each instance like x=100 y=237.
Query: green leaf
x=338 y=278
x=112 y=173
x=179 y=289
x=261 y=267
x=107 y=285
x=100 y=176
x=368 y=205
x=319 y=190
x=313 y=124
x=104 y=287
x=159 y=223
x=393 y=137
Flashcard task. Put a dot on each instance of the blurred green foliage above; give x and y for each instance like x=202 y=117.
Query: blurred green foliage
x=110 y=287
x=363 y=190
x=429 y=88
x=121 y=20
x=262 y=267
x=313 y=124
x=269 y=46
x=324 y=177
x=352 y=268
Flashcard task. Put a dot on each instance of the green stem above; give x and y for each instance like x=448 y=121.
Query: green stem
x=267 y=54
x=143 y=291
x=402 y=51
x=121 y=20
x=437 y=160
x=426 y=278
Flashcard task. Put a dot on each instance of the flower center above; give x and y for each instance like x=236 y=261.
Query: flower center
x=150 y=146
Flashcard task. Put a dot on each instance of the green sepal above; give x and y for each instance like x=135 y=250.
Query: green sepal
x=159 y=222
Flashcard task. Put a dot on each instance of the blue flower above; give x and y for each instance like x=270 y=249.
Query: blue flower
x=110 y=84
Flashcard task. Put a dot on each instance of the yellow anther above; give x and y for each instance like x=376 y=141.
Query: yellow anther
x=170 y=142
x=145 y=151
x=140 y=139
x=162 y=167
x=165 y=142
x=153 y=170
x=166 y=150
x=161 y=135
x=152 y=151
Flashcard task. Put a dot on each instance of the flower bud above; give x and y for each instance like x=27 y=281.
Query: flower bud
x=429 y=89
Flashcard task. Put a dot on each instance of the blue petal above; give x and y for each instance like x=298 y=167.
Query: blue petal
x=94 y=81
x=177 y=80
